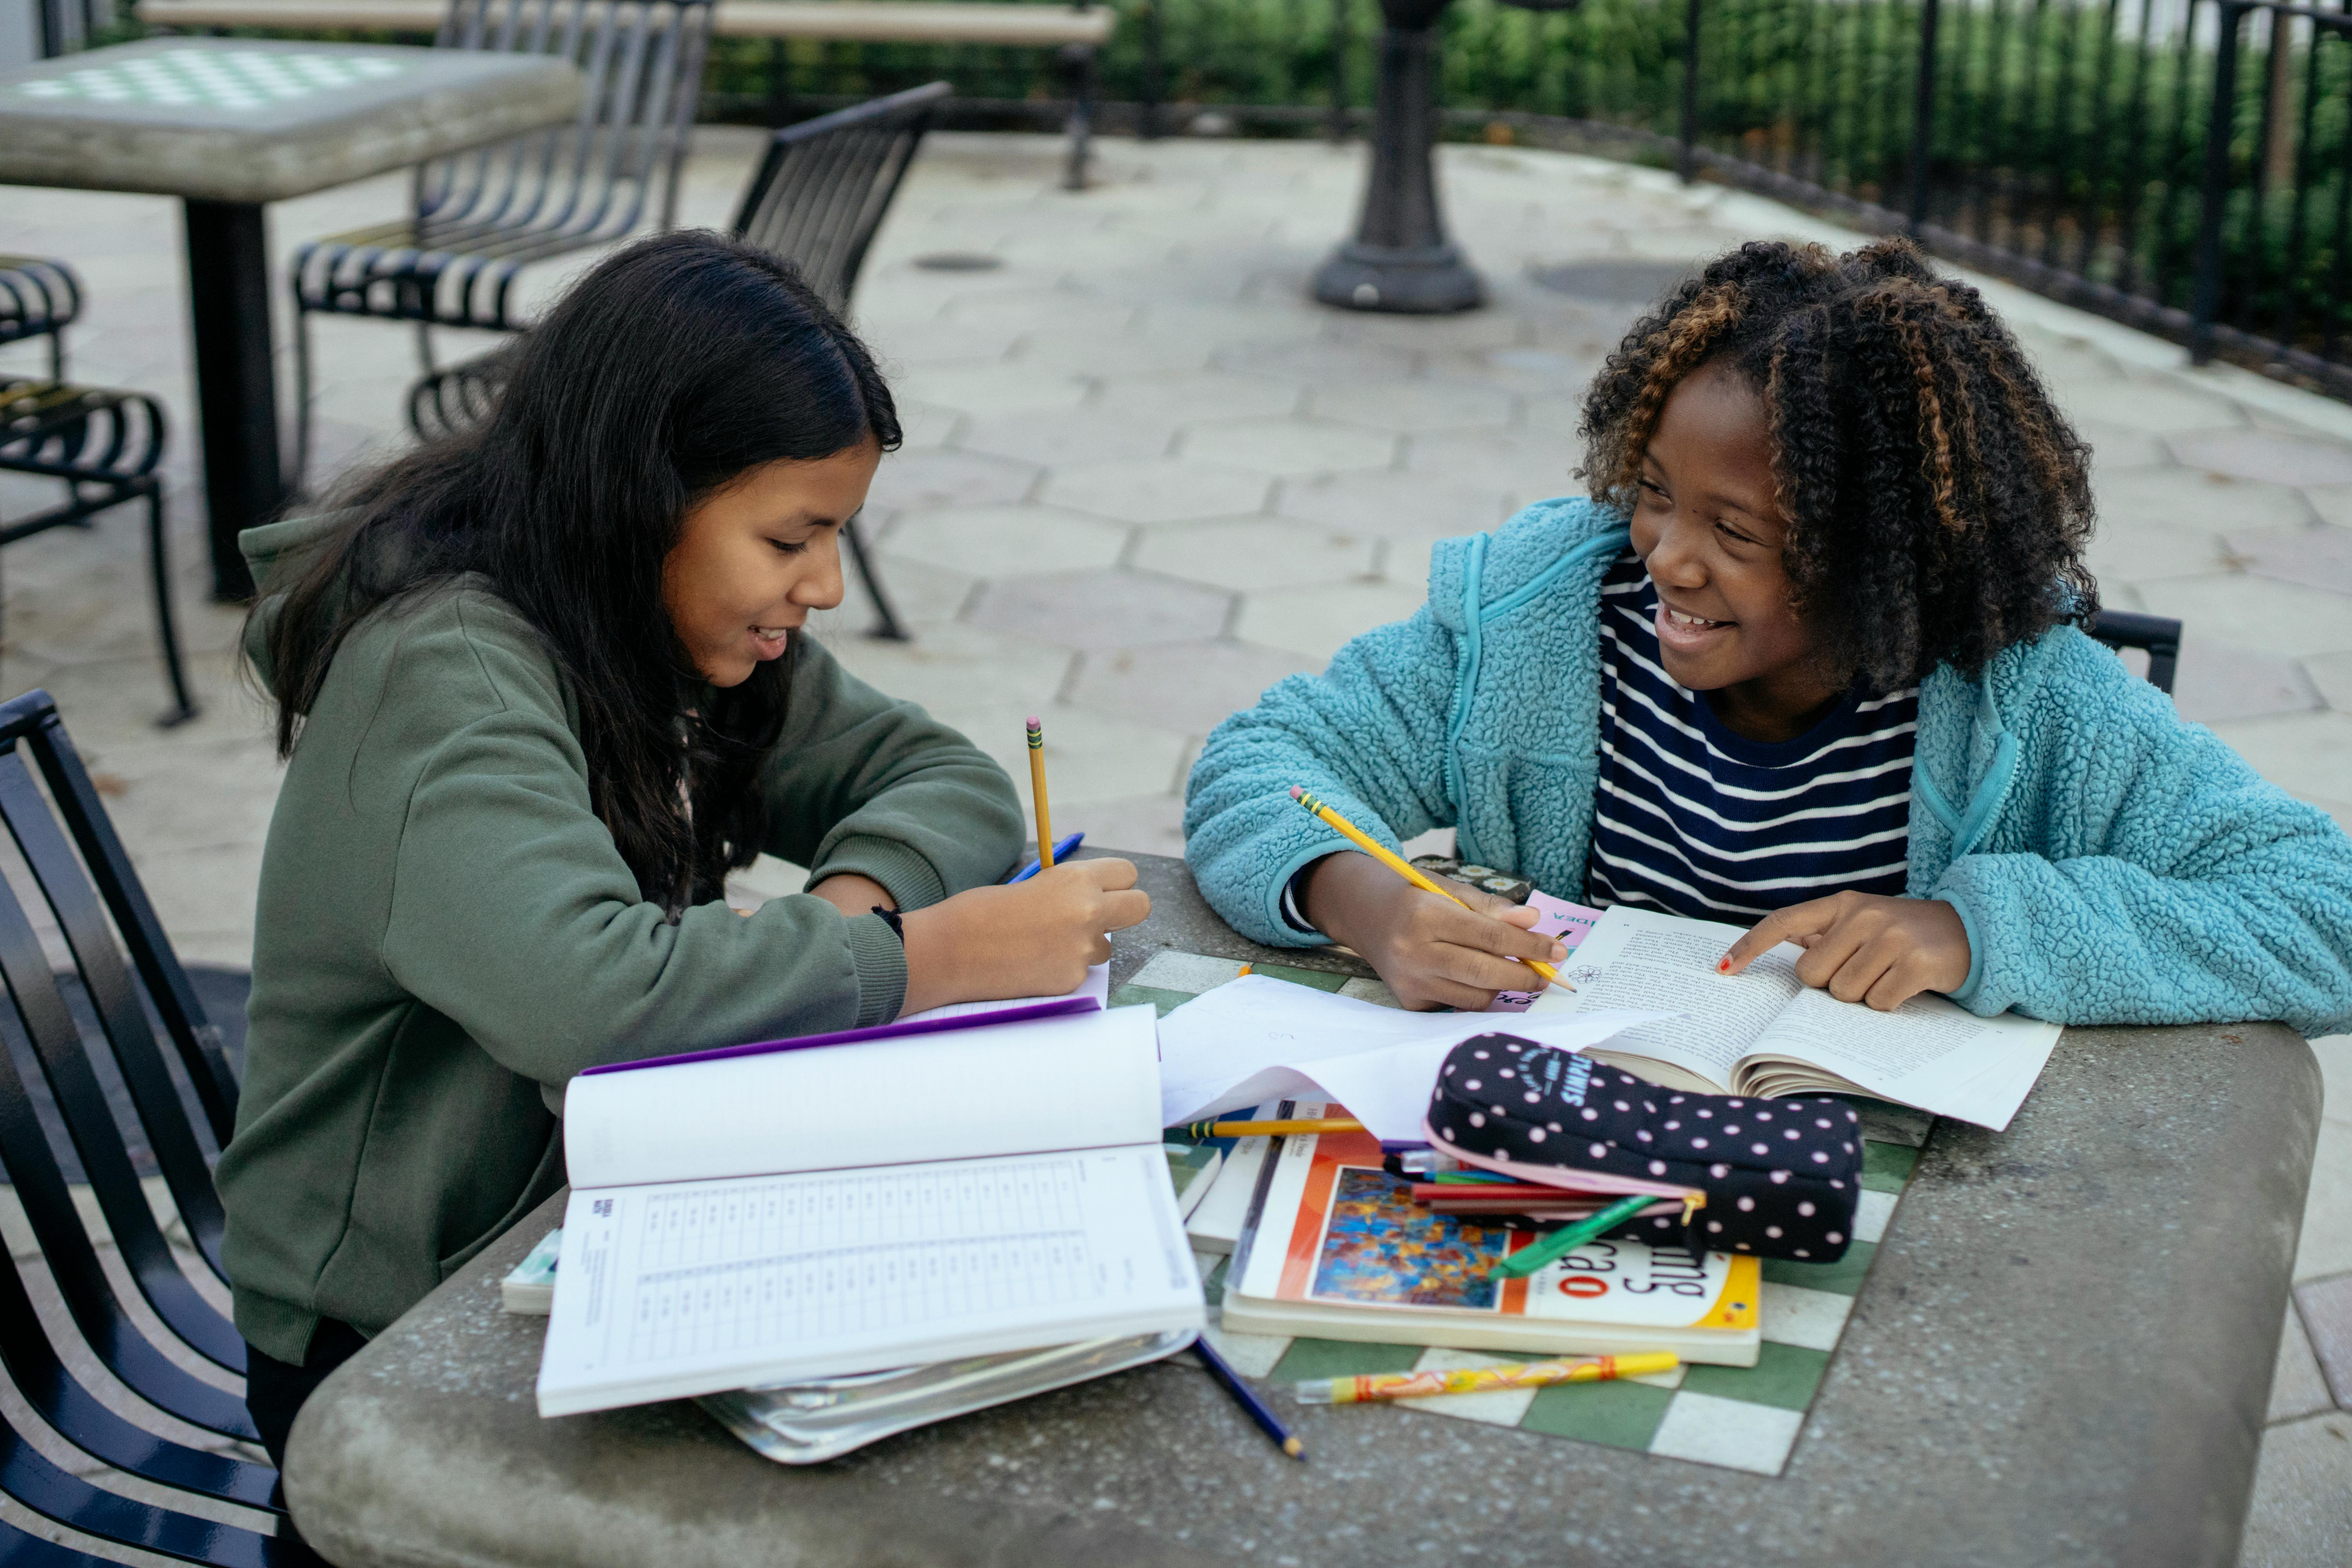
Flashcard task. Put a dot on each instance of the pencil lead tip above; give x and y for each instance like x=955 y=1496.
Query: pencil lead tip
x=1296 y=1449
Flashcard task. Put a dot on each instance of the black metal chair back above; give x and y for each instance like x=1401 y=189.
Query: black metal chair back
x=590 y=180
x=103 y=444
x=84 y=878
x=38 y=298
x=816 y=200
x=2157 y=636
x=827 y=184
x=480 y=216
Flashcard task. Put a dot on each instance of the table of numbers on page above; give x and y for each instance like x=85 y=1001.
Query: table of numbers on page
x=780 y=1259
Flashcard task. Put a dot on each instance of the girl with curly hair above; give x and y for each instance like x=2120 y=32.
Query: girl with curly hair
x=1807 y=657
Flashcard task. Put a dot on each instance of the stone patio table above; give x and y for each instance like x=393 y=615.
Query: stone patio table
x=2061 y=1356
x=227 y=125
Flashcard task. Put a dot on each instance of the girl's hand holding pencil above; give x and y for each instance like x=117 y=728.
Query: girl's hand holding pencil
x=1026 y=939
x=1448 y=949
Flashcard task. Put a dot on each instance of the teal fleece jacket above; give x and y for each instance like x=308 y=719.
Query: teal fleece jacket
x=446 y=934
x=2113 y=863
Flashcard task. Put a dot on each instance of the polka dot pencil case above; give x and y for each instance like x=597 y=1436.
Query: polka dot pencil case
x=1781 y=1177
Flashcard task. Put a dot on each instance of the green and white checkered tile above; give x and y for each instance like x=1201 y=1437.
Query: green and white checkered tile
x=230 y=80
x=1743 y=1418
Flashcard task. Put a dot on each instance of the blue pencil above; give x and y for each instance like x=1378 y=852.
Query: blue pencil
x=1061 y=853
x=1249 y=1402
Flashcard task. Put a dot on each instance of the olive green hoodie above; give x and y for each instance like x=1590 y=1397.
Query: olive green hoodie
x=445 y=934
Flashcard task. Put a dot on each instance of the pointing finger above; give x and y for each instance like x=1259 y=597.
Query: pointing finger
x=1796 y=923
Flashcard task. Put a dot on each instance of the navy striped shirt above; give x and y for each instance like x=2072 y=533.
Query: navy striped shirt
x=1693 y=819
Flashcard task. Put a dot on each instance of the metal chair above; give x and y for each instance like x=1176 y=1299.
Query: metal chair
x=480 y=216
x=38 y=298
x=84 y=877
x=103 y=444
x=817 y=199
x=2158 y=635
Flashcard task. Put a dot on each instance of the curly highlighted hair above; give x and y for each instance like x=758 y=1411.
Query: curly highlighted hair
x=1937 y=503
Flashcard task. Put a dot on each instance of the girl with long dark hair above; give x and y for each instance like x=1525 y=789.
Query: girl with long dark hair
x=539 y=688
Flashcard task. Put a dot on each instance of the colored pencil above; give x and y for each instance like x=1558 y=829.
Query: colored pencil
x=1568 y=1238
x=1366 y=1387
x=1037 y=793
x=1214 y=1128
x=1061 y=852
x=1251 y=1406
x=1410 y=872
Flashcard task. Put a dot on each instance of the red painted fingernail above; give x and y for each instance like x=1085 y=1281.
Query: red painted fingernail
x=1723 y=965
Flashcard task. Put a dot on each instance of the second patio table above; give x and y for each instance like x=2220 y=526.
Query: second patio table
x=2060 y=1356
x=228 y=125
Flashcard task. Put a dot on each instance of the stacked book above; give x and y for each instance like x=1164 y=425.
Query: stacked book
x=831 y=1239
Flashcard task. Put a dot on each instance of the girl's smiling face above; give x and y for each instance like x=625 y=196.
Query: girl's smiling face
x=1707 y=524
x=755 y=558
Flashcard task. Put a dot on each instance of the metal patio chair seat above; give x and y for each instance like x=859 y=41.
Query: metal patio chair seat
x=2158 y=636
x=103 y=444
x=818 y=197
x=479 y=217
x=145 y=1031
x=38 y=298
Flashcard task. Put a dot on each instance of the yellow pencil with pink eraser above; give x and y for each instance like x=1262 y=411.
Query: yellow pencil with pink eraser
x=1402 y=868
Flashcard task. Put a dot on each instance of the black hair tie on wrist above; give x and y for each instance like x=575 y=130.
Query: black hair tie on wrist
x=895 y=921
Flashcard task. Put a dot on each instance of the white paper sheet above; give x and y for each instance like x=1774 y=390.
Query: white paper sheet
x=1080 y=1081
x=1259 y=1038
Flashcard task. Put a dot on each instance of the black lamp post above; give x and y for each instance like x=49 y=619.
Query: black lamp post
x=1400 y=260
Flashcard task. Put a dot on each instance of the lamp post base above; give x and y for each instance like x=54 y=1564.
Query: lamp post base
x=1416 y=281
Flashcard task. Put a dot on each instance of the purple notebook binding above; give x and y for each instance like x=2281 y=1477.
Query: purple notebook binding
x=1053 y=1008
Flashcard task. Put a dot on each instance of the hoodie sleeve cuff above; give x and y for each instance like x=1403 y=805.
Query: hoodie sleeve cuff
x=913 y=881
x=879 y=959
x=1967 y=989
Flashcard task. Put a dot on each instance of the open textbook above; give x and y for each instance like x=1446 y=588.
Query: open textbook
x=744 y=1217
x=1764 y=1032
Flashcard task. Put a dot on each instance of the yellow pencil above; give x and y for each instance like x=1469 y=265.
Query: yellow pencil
x=1272 y=1129
x=1411 y=873
x=1037 y=790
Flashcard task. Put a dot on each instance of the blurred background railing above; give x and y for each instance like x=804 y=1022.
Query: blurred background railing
x=2183 y=165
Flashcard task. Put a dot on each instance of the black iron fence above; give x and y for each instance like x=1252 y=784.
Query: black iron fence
x=2184 y=166
x=2180 y=164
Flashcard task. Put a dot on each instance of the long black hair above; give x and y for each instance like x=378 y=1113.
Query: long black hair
x=672 y=369
x=1938 y=502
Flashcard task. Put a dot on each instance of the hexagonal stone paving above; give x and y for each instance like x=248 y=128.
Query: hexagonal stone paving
x=1004 y=540
x=2261 y=454
x=1288 y=445
x=1529 y=465
x=2186 y=499
x=2161 y=406
x=1248 y=553
x=1396 y=506
x=2320 y=556
x=1157 y=489
x=1100 y=610
x=1067 y=436
x=1192 y=685
x=1317 y=621
x=938 y=477
x=1410 y=406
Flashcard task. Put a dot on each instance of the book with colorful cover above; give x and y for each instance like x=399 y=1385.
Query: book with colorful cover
x=1337 y=1248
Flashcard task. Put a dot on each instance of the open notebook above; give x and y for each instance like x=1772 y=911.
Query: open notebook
x=1765 y=1032
x=753 y=1216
